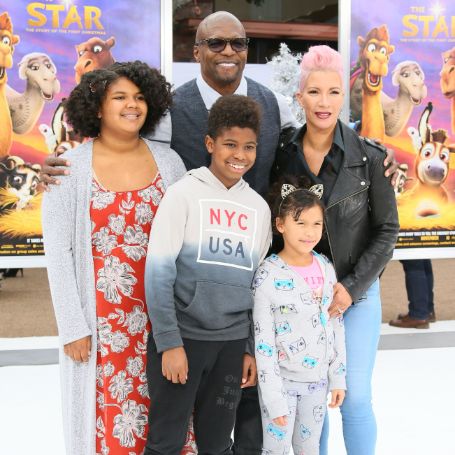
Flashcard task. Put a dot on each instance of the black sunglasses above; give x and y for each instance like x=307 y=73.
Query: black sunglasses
x=219 y=44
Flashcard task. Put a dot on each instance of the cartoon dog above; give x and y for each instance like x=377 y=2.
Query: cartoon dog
x=19 y=181
x=402 y=178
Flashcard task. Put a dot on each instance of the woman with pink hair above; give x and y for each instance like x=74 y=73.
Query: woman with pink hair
x=361 y=224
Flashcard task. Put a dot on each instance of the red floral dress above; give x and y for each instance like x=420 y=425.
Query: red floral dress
x=121 y=223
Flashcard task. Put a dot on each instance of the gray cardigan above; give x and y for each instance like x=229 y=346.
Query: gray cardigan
x=67 y=244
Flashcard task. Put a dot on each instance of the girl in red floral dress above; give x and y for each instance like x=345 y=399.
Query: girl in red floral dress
x=97 y=225
x=121 y=227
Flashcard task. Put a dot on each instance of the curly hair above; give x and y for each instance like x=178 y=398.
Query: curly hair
x=232 y=111
x=85 y=100
x=294 y=203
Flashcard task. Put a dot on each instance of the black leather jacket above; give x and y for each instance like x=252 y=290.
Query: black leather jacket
x=361 y=216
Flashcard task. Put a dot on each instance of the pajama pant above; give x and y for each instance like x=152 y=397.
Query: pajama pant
x=307 y=407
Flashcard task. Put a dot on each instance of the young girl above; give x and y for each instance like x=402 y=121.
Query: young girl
x=96 y=226
x=300 y=350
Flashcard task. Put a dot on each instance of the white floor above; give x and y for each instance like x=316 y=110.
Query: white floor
x=413 y=390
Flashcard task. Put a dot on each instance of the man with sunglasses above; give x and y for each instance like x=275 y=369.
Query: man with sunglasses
x=221 y=48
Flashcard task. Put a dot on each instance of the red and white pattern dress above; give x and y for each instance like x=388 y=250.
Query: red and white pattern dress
x=121 y=223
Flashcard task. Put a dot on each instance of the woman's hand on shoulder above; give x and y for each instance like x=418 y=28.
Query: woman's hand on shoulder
x=341 y=300
x=79 y=350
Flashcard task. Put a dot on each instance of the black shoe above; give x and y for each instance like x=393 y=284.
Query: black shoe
x=11 y=273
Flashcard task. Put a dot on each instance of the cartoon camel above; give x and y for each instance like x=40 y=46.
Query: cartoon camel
x=374 y=55
x=42 y=84
x=448 y=80
x=431 y=166
x=93 y=54
x=409 y=77
x=7 y=43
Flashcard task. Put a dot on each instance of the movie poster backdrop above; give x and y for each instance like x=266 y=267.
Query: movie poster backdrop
x=45 y=48
x=402 y=90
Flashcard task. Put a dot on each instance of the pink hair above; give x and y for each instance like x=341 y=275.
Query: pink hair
x=320 y=58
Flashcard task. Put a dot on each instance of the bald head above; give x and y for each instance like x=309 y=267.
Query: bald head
x=214 y=20
x=221 y=67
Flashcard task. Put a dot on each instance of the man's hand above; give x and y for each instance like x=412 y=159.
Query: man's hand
x=49 y=170
x=337 y=398
x=341 y=300
x=390 y=164
x=249 y=373
x=281 y=421
x=79 y=350
x=174 y=365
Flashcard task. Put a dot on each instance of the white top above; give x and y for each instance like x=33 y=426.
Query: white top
x=210 y=95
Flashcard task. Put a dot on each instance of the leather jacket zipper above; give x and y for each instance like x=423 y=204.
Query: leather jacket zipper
x=347 y=197
x=330 y=246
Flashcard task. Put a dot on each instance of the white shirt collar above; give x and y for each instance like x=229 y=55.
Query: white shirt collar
x=209 y=95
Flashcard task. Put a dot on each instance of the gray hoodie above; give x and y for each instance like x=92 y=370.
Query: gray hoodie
x=206 y=243
x=295 y=337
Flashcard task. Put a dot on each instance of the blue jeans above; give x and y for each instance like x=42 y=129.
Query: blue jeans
x=362 y=323
x=419 y=286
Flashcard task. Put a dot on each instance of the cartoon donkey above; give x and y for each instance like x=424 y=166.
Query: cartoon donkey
x=431 y=166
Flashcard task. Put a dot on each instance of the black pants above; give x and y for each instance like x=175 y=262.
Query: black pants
x=248 y=424
x=212 y=391
x=419 y=287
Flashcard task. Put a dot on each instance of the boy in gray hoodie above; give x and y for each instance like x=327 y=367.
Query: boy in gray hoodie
x=198 y=278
